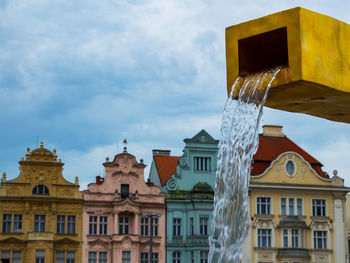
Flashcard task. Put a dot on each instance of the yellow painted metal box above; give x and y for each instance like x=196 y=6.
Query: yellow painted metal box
x=315 y=52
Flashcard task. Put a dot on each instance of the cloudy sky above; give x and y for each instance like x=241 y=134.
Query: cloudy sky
x=83 y=75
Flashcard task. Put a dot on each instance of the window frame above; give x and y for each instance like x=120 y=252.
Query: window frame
x=261 y=236
x=298 y=210
x=103 y=225
x=176 y=256
x=321 y=206
x=93 y=221
x=202 y=164
x=177 y=225
x=6 y=223
x=124 y=225
x=260 y=204
x=204 y=226
x=40 y=223
x=144 y=226
x=323 y=239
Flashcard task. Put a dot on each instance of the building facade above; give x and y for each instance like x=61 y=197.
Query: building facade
x=347 y=228
x=121 y=213
x=41 y=212
x=297 y=212
x=188 y=182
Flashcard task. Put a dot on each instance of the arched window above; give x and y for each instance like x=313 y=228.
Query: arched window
x=40 y=190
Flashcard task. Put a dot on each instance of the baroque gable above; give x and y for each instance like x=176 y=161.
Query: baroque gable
x=40 y=175
x=291 y=168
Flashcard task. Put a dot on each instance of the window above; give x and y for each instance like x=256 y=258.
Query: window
x=124 y=191
x=92 y=257
x=155 y=258
x=176 y=257
x=59 y=256
x=103 y=225
x=203 y=226
x=6 y=223
x=144 y=257
x=102 y=257
x=40 y=256
x=93 y=225
x=263 y=205
x=264 y=237
x=17 y=223
x=177 y=226
x=126 y=257
x=319 y=207
x=202 y=164
x=40 y=190
x=292 y=238
x=16 y=256
x=154 y=226
x=295 y=238
x=294 y=206
x=203 y=257
x=71 y=225
x=191 y=226
x=299 y=206
x=291 y=206
x=192 y=256
x=123 y=225
x=144 y=226
x=70 y=257
x=285 y=238
x=61 y=224
x=39 y=224
x=320 y=239
x=5 y=256
x=283 y=206
x=290 y=168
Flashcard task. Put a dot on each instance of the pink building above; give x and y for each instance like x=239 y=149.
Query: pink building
x=117 y=215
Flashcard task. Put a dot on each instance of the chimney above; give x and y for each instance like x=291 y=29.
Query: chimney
x=99 y=180
x=161 y=152
x=273 y=131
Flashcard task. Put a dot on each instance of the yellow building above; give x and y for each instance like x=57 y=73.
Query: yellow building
x=297 y=212
x=40 y=212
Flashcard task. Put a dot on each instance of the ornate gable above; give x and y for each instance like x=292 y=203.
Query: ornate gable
x=291 y=168
x=202 y=137
x=40 y=176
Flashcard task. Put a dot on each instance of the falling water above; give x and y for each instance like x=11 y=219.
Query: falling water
x=238 y=143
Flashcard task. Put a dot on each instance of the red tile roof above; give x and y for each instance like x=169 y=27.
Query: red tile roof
x=166 y=166
x=271 y=147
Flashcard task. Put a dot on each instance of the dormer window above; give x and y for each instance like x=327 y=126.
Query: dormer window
x=40 y=190
x=202 y=163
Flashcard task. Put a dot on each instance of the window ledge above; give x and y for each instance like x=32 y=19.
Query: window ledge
x=11 y=233
x=321 y=250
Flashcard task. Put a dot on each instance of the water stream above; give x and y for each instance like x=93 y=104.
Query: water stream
x=238 y=143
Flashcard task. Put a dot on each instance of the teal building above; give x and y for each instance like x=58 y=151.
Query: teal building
x=188 y=182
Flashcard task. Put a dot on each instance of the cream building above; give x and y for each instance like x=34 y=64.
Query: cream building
x=296 y=210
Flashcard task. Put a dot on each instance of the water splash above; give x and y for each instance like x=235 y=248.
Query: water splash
x=238 y=143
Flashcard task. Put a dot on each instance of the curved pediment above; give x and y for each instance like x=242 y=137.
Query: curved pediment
x=12 y=240
x=67 y=240
x=98 y=243
x=291 y=167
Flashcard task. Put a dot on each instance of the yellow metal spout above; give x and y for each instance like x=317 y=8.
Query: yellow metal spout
x=314 y=51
